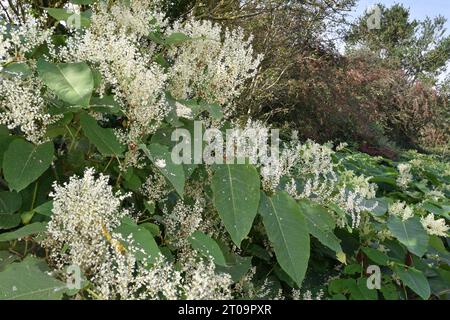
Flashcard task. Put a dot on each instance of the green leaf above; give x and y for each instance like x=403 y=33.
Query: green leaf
x=237 y=267
x=143 y=239
x=72 y=82
x=320 y=224
x=23 y=232
x=17 y=69
x=27 y=281
x=10 y=202
x=207 y=247
x=236 y=198
x=9 y=221
x=389 y=291
x=5 y=141
x=415 y=280
x=23 y=163
x=45 y=209
x=176 y=38
x=410 y=233
x=162 y=159
x=376 y=256
x=83 y=2
x=381 y=206
x=71 y=18
x=287 y=230
x=104 y=139
x=361 y=292
x=153 y=228
x=107 y=104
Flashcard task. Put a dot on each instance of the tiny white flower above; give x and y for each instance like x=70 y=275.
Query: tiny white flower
x=160 y=163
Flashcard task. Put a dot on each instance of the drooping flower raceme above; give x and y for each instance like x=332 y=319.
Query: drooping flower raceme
x=21 y=38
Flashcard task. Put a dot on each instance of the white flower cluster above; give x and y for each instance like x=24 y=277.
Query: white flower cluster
x=21 y=38
x=353 y=192
x=307 y=295
x=84 y=210
x=122 y=276
x=401 y=210
x=22 y=106
x=433 y=226
x=21 y=103
x=81 y=233
x=312 y=164
x=155 y=188
x=405 y=177
x=112 y=43
x=118 y=44
x=202 y=282
x=182 y=222
x=212 y=65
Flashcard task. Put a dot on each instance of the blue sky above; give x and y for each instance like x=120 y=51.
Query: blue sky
x=419 y=8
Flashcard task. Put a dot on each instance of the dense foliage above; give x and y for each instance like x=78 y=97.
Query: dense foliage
x=92 y=205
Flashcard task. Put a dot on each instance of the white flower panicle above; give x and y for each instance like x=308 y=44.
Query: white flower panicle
x=23 y=107
x=433 y=226
x=182 y=222
x=81 y=232
x=84 y=210
x=202 y=282
x=312 y=164
x=155 y=188
x=113 y=44
x=206 y=67
x=212 y=65
x=401 y=210
x=405 y=177
x=22 y=37
x=122 y=276
x=21 y=103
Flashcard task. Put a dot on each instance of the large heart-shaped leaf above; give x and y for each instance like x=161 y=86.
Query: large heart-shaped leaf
x=24 y=162
x=411 y=233
x=72 y=82
x=236 y=198
x=287 y=230
x=415 y=280
x=27 y=281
